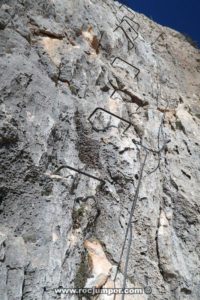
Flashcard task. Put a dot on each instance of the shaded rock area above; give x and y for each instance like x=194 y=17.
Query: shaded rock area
x=59 y=61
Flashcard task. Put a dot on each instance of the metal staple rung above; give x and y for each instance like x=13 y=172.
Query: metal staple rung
x=79 y=171
x=117 y=57
x=127 y=9
x=126 y=34
x=161 y=34
x=128 y=38
x=126 y=17
x=110 y=113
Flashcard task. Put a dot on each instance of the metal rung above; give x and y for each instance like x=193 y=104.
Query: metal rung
x=161 y=34
x=110 y=113
x=79 y=171
x=128 y=38
x=126 y=34
x=127 y=8
x=119 y=58
x=126 y=17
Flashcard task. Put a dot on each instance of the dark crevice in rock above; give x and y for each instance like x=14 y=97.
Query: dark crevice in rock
x=126 y=149
x=23 y=288
x=187 y=147
x=46 y=33
x=186 y=174
x=179 y=126
x=186 y=291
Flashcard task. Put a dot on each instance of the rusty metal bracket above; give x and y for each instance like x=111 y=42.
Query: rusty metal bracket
x=124 y=61
x=79 y=171
x=117 y=89
x=110 y=113
x=126 y=34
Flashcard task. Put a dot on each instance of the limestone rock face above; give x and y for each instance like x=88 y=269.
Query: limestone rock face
x=59 y=61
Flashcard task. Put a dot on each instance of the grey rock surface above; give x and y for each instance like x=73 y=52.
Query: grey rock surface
x=57 y=65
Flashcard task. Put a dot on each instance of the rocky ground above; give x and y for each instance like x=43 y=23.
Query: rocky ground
x=60 y=60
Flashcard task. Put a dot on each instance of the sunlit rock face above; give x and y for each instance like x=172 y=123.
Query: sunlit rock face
x=60 y=61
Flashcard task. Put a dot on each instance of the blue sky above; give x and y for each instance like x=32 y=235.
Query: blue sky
x=181 y=15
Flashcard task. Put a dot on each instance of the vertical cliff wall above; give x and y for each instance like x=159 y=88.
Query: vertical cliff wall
x=60 y=60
